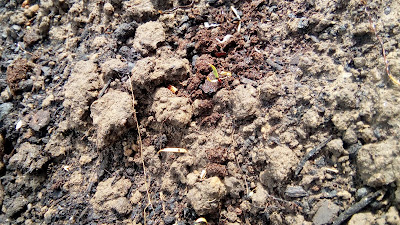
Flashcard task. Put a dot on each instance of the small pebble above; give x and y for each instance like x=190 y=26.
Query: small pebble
x=295 y=192
x=108 y=8
x=40 y=120
x=303 y=23
x=387 y=11
x=169 y=220
x=362 y=192
x=344 y=195
x=325 y=213
x=5 y=108
x=16 y=27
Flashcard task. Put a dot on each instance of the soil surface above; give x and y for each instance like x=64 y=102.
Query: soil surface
x=301 y=125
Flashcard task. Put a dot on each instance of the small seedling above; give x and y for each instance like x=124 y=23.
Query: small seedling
x=216 y=75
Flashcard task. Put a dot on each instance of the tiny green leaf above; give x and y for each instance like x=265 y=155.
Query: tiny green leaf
x=215 y=72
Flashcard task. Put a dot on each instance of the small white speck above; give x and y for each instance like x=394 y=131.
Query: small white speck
x=208 y=25
x=19 y=124
x=226 y=38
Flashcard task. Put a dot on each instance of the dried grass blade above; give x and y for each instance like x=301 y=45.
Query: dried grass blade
x=174 y=150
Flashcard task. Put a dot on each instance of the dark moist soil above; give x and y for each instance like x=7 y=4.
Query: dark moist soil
x=301 y=126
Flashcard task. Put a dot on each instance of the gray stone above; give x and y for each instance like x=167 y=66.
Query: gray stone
x=325 y=213
x=40 y=120
x=16 y=27
x=125 y=31
x=362 y=192
x=5 y=108
x=295 y=192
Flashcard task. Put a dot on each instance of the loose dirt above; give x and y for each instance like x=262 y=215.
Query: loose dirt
x=301 y=125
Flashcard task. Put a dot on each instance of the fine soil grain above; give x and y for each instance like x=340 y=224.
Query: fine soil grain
x=299 y=124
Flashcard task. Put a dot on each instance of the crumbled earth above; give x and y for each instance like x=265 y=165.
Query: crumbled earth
x=300 y=123
x=206 y=195
x=110 y=195
x=112 y=114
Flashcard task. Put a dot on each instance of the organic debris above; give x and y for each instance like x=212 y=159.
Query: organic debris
x=149 y=203
x=174 y=150
x=208 y=25
x=357 y=207
x=300 y=73
x=173 y=89
x=201 y=221
x=373 y=27
x=238 y=18
x=310 y=154
x=225 y=39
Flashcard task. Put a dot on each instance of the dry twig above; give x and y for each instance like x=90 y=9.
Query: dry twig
x=373 y=27
x=310 y=154
x=141 y=152
x=357 y=207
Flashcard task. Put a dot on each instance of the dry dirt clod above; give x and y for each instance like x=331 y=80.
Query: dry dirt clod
x=170 y=108
x=149 y=72
x=259 y=198
x=18 y=72
x=31 y=37
x=242 y=101
x=28 y=157
x=17 y=206
x=278 y=167
x=217 y=155
x=234 y=186
x=40 y=120
x=111 y=68
x=148 y=37
x=215 y=169
x=112 y=195
x=139 y=10
x=379 y=163
x=80 y=91
x=112 y=115
x=205 y=196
